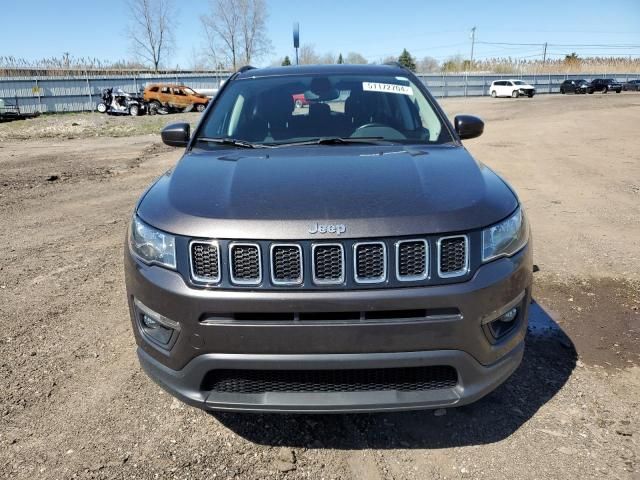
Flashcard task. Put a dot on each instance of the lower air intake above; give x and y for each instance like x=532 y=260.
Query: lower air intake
x=407 y=379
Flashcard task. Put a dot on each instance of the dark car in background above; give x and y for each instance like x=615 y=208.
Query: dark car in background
x=605 y=85
x=575 y=86
x=350 y=256
x=631 y=86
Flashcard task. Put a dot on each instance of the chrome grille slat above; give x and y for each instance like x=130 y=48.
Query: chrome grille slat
x=412 y=260
x=327 y=263
x=245 y=263
x=204 y=261
x=286 y=264
x=370 y=262
x=453 y=256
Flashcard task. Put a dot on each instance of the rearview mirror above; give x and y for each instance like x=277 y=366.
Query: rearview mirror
x=176 y=134
x=468 y=126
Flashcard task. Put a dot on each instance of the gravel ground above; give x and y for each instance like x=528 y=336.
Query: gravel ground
x=74 y=403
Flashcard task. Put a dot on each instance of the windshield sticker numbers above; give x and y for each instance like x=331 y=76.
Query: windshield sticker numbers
x=387 y=88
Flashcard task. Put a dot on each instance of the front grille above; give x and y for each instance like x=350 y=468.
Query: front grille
x=286 y=264
x=343 y=263
x=246 y=267
x=453 y=256
x=205 y=261
x=370 y=262
x=411 y=260
x=406 y=379
x=328 y=263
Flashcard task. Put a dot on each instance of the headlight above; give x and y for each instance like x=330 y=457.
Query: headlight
x=505 y=238
x=151 y=245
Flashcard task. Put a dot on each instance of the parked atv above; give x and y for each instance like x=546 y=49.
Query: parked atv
x=121 y=103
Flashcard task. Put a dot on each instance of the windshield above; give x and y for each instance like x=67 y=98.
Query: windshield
x=188 y=91
x=297 y=108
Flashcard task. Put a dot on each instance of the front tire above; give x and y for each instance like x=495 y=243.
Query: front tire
x=562 y=91
x=515 y=94
x=618 y=91
x=200 y=107
x=605 y=89
x=134 y=110
x=102 y=107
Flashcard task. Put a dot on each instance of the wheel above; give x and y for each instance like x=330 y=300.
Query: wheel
x=515 y=94
x=102 y=108
x=562 y=90
x=154 y=107
x=605 y=89
x=298 y=103
x=530 y=95
x=200 y=107
x=618 y=90
x=493 y=93
x=134 y=110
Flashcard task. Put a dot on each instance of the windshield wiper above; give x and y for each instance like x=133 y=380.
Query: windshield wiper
x=232 y=141
x=332 y=141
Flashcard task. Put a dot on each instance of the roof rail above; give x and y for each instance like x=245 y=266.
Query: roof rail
x=394 y=64
x=245 y=68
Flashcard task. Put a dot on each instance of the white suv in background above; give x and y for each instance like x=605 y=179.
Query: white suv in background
x=511 y=88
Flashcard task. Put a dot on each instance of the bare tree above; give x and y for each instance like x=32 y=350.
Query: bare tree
x=151 y=30
x=253 y=32
x=307 y=55
x=428 y=65
x=237 y=29
x=355 y=58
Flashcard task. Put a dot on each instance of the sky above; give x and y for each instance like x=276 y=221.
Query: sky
x=376 y=29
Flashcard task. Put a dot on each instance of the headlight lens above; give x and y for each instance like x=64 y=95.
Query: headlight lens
x=151 y=245
x=506 y=237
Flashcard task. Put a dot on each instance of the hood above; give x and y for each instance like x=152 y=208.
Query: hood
x=280 y=194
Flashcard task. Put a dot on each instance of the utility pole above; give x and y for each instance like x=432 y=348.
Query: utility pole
x=473 y=42
x=466 y=77
x=544 y=54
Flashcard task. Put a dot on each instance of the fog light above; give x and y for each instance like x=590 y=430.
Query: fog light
x=510 y=316
x=155 y=326
x=149 y=322
x=504 y=323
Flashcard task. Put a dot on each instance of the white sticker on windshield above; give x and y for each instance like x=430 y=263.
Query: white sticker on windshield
x=387 y=88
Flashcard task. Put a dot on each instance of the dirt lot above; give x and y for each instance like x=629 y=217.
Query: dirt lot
x=74 y=403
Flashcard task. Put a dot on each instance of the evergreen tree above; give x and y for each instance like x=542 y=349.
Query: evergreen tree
x=340 y=59
x=406 y=60
x=286 y=62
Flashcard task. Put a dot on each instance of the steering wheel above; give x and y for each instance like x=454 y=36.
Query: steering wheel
x=376 y=129
x=372 y=125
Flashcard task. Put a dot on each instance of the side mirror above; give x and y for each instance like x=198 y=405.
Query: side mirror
x=468 y=126
x=176 y=134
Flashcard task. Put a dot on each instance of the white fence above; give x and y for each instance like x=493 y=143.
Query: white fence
x=82 y=93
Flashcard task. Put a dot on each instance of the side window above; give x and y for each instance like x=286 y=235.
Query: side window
x=165 y=90
x=510 y=84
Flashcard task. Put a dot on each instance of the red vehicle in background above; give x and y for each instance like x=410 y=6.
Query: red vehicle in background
x=299 y=100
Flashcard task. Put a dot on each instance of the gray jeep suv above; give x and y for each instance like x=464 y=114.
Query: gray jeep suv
x=343 y=255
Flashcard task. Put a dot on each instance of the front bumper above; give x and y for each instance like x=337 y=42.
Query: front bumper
x=474 y=381
x=459 y=341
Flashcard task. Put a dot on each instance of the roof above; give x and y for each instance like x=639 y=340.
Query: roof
x=161 y=84
x=329 y=69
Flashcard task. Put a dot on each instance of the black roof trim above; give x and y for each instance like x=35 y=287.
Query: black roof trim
x=328 y=69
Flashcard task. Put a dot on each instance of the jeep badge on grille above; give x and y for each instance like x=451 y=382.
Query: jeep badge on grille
x=338 y=228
